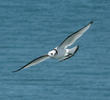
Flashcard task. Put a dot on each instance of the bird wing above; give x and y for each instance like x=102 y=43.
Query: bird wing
x=73 y=37
x=33 y=62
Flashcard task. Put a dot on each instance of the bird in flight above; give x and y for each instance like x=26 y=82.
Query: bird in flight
x=61 y=52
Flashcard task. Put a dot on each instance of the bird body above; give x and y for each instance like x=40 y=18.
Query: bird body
x=69 y=53
x=61 y=52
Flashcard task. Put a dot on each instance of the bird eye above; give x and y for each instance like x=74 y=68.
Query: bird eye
x=51 y=53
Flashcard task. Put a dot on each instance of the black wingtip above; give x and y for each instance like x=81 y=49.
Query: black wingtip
x=91 y=22
x=18 y=69
x=15 y=71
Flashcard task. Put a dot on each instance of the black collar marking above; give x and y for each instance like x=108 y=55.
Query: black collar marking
x=56 y=51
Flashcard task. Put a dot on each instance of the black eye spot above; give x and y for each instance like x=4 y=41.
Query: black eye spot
x=51 y=53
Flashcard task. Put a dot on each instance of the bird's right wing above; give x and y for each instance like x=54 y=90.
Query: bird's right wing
x=33 y=62
x=73 y=37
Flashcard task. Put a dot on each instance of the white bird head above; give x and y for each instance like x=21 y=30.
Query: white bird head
x=52 y=53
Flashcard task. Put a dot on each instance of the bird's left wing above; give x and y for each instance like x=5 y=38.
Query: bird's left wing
x=73 y=37
x=33 y=62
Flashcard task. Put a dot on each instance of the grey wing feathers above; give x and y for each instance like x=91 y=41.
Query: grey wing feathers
x=73 y=37
x=33 y=62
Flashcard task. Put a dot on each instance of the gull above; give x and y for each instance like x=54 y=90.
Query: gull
x=61 y=52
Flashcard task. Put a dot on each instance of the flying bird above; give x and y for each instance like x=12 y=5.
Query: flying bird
x=61 y=52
